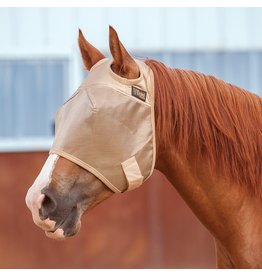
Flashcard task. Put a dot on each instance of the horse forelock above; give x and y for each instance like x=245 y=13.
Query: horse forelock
x=225 y=121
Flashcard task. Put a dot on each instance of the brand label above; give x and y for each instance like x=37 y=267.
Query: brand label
x=138 y=93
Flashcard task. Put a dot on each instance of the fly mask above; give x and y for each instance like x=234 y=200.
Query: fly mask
x=107 y=127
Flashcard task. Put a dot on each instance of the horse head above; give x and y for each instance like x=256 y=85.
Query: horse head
x=66 y=188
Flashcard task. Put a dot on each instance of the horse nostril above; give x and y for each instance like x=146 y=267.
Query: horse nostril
x=48 y=205
x=47 y=202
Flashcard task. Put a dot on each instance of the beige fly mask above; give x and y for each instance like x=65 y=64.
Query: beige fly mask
x=107 y=127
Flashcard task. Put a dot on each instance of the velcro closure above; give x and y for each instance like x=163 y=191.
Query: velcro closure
x=132 y=172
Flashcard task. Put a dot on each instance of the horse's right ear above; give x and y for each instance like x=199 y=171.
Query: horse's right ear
x=89 y=53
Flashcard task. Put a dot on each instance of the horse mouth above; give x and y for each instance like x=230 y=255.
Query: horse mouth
x=70 y=226
x=61 y=234
x=57 y=234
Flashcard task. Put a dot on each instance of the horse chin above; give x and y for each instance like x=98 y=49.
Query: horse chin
x=62 y=233
x=58 y=234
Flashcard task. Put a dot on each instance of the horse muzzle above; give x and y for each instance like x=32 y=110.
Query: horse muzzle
x=57 y=223
x=56 y=213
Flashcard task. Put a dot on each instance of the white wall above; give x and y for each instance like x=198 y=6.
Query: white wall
x=55 y=30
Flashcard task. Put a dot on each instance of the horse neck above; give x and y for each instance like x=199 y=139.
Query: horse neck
x=227 y=210
x=179 y=133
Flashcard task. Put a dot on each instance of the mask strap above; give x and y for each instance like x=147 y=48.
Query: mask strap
x=132 y=172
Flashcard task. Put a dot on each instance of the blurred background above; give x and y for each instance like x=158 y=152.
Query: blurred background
x=40 y=67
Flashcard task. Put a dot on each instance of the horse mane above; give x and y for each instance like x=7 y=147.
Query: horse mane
x=224 y=120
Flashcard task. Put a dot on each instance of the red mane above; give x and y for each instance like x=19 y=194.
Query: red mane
x=225 y=121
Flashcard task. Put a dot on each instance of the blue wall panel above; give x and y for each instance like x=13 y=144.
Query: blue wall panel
x=30 y=94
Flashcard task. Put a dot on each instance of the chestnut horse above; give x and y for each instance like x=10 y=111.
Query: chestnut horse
x=208 y=145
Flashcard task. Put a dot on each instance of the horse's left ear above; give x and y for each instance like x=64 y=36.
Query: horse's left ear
x=123 y=65
x=90 y=54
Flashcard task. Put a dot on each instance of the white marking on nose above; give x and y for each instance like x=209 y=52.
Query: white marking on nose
x=34 y=198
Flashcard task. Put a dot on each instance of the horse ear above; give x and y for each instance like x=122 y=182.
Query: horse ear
x=123 y=64
x=89 y=53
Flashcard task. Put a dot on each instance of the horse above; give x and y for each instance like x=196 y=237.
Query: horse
x=208 y=137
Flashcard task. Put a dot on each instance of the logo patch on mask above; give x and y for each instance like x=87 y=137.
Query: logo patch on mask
x=138 y=93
